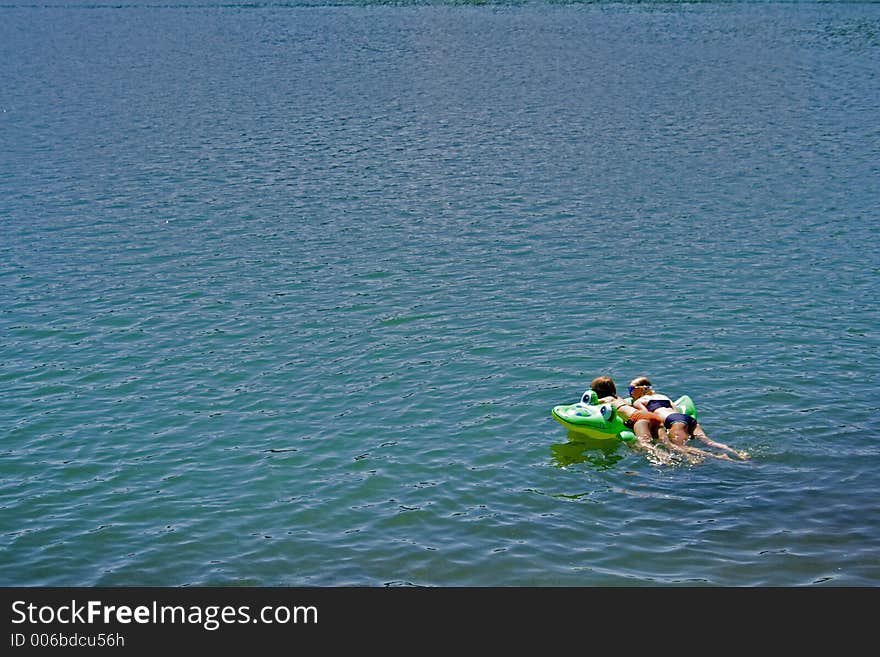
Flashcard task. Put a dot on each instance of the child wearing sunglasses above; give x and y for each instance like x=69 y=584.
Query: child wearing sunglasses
x=679 y=426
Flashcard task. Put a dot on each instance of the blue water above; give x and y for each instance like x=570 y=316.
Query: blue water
x=287 y=292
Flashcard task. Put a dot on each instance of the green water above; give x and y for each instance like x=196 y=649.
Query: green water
x=288 y=292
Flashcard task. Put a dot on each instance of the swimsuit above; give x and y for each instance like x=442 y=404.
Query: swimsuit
x=653 y=418
x=674 y=418
x=654 y=404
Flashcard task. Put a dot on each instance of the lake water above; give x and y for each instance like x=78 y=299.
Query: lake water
x=288 y=291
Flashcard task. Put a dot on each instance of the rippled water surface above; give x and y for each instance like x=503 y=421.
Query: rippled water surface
x=288 y=292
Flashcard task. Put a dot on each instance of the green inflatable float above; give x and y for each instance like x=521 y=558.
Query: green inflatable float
x=599 y=421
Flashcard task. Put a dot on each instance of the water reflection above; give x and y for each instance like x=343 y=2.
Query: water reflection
x=601 y=454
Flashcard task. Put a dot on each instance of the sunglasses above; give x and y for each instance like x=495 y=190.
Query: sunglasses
x=632 y=388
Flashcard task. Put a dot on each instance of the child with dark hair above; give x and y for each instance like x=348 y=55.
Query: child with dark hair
x=644 y=424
